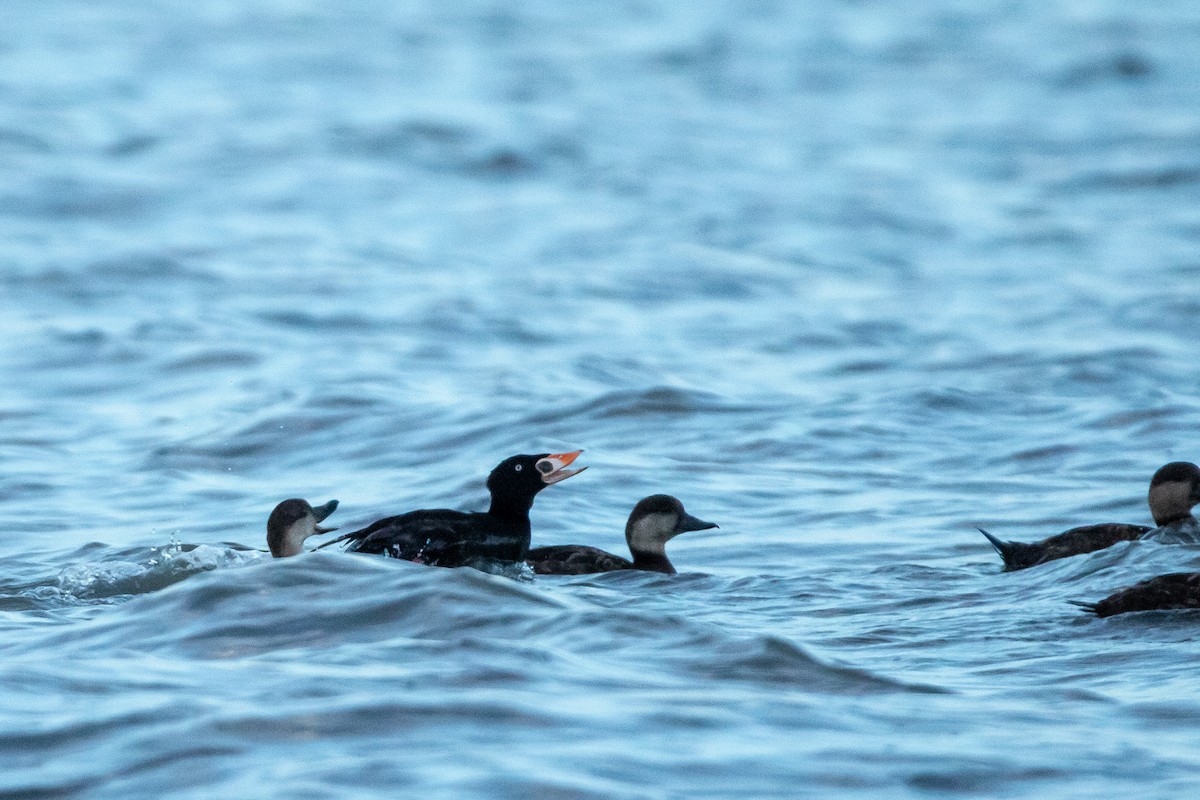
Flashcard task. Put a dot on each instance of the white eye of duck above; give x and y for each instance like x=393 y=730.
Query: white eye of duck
x=519 y=467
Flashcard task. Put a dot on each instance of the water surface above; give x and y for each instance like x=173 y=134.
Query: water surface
x=849 y=280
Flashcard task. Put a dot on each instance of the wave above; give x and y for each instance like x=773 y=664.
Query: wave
x=108 y=577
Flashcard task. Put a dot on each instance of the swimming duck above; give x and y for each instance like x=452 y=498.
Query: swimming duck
x=1176 y=590
x=1174 y=490
x=292 y=522
x=1172 y=499
x=445 y=538
x=654 y=521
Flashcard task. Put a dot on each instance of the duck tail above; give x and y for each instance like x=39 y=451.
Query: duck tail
x=1091 y=608
x=1016 y=555
x=341 y=538
x=1000 y=545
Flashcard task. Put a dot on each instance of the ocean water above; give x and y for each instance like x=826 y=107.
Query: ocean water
x=847 y=278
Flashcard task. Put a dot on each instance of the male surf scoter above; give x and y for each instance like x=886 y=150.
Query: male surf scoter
x=292 y=522
x=444 y=538
x=1177 y=590
x=1174 y=490
x=653 y=522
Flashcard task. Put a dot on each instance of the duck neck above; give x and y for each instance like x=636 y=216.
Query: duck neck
x=286 y=545
x=512 y=510
x=653 y=562
x=1186 y=519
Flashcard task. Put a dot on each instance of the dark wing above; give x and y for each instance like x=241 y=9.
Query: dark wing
x=1077 y=541
x=1177 y=590
x=426 y=537
x=379 y=535
x=574 y=559
x=441 y=537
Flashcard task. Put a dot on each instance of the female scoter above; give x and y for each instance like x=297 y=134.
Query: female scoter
x=444 y=538
x=1177 y=590
x=1174 y=490
x=1172 y=501
x=292 y=522
x=654 y=521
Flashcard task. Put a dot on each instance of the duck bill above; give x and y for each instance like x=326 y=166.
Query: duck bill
x=554 y=467
x=321 y=512
x=689 y=523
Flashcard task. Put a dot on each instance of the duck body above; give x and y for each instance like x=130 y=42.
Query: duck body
x=446 y=538
x=1174 y=491
x=1166 y=592
x=654 y=521
x=1076 y=541
x=575 y=559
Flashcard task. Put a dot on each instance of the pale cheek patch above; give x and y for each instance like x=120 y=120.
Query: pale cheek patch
x=1171 y=500
x=651 y=532
x=301 y=531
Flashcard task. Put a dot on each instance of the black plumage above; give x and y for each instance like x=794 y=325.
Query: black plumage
x=446 y=538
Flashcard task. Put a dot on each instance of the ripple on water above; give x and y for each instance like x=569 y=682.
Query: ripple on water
x=847 y=278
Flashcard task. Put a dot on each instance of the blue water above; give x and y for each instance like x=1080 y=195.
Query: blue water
x=848 y=278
